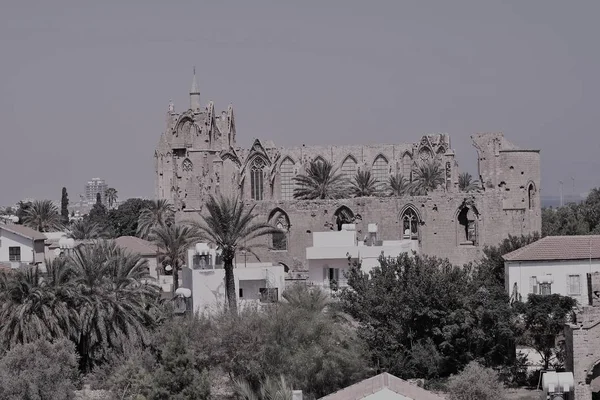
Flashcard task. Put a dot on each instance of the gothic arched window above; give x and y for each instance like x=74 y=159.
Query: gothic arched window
x=281 y=221
x=530 y=195
x=380 y=169
x=256 y=178
x=467 y=225
x=349 y=168
x=287 y=179
x=410 y=224
x=407 y=166
x=187 y=165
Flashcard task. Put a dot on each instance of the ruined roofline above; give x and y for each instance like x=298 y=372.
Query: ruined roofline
x=520 y=151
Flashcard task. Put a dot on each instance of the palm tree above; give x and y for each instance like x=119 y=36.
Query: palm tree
x=159 y=212
x=427 y=177
x=270 y=389
x=230 y=225
x=85 y=229
x=173 y=242
x=322 y=181
x=111 y=196
x=364 y=184
x=398 y=186
x=466 y=183
x=43 y=216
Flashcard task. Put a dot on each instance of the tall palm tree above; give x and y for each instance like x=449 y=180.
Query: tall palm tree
x=398 y=186
x=427 y=177
x=364 y=184
x=270 y=389
x=321 y=181
x=466 y=183
x=43 y=216
x=159 y=212
x=86 y=229
x=230 y=226
x=173 y=242
x=111 y=196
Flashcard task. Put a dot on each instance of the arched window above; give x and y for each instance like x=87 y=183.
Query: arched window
x=281 y=221
x=287 y=179
x=407 y=166
x=531 y=195
x=349 y=168
x=467 y=225
x=380 y=169
x=187 y=165
x=256 y=178
x=410 y=224
x=343 y=215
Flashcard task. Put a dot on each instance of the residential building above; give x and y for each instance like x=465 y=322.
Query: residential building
x=198 y=155
x=383 y=387
x=146 y=249
x=204 y=276
x=332 y=252
x=553 y=264
x=93 y=187
x=21 y=245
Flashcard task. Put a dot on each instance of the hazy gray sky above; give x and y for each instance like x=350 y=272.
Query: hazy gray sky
x=84 y=85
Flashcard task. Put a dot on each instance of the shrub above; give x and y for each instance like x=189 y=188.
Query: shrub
x=476 y=382
x=39 y=371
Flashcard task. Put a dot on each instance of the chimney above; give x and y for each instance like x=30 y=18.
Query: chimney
x=297 y=395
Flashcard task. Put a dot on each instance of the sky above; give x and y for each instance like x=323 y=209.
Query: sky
x=85 y=85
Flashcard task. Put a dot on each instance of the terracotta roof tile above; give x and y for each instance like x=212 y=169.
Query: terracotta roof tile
x=378 y=383
x=23 y=231
x=558 y=248
x=137 y=245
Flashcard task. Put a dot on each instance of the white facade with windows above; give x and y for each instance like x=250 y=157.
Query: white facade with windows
x=328 y=257
x=20 y=245
x=553 y=265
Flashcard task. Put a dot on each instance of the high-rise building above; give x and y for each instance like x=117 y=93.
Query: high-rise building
x=93 y=187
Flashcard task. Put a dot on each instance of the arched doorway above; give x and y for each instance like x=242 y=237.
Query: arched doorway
x=343 y=215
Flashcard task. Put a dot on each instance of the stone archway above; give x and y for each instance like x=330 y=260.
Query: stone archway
x=593 y=379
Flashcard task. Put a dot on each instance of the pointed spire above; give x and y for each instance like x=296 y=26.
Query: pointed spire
x=195 y=94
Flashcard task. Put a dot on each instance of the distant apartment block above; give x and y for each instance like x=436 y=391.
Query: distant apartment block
x=93 y=187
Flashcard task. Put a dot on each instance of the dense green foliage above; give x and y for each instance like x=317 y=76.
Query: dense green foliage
x=573 y=219
x=39 y=370
x=64 y=206
x=321 y=180
x=123 y=220
x=43 y=216
x=476 y=382
x=364 y=184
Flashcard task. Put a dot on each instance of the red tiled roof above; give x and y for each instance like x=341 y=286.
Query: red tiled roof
x=23 y=231
x=379 y=382
x=558 y=248
x=136 y=245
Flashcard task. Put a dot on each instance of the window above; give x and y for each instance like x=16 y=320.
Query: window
x=467 y=226
x=331 y=277
x=530 y=195
x=187 y=165
x=574 y=285
x=281 y=221
x=14 y=254
x=380 y=169
x=546 y=288
x=533 y=285
x=410 y=222
x=343 y=215
x=349 y=168
x=241 y=293
x=269 y=295
x=407 y=167
x=256 y=179
x=287 y=179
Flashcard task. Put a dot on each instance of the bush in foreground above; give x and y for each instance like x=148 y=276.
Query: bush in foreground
x=476 y=382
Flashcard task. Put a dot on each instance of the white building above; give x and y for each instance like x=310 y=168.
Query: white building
x=20 y=245
x=554 y=264
x=204 y=276
x=328 y=258
x=93 y=187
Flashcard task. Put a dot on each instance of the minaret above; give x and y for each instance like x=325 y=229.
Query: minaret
x=195 y=95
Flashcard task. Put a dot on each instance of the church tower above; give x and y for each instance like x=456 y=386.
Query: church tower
x=195 y=95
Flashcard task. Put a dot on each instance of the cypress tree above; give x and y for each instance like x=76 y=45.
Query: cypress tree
x=64 y=206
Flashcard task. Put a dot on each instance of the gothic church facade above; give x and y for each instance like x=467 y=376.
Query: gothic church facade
x=197 y=156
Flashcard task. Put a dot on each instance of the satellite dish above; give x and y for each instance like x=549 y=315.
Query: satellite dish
x=168 y=268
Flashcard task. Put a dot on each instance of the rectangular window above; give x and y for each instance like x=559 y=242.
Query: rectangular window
x=574 y=284
x=14 y=254
x=241 y=293
x=546 y=289
x=287 y=180
x=533 y=285
x=256 y=184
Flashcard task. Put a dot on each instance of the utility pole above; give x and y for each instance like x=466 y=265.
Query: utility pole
x=561 y=193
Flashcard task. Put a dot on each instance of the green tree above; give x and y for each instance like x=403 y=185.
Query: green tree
x=123 y=221
x=398 y=186
x=87 y=229
x=98 y=214
x=364 y=185
x=592 y=210
x=173 y=242
x=64 y=206
x=320 y=181
x=427 y=177
x=476 y=382
x=22 y=208
x=39 y=370
x=565 y=221
x=111 y=196
x=157 y=213
x=466 y=183
x=270 y=389
x=545 y=317
x=43 y=216
x=231 y=226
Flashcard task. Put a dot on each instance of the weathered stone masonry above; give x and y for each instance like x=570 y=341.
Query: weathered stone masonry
x=197 y=156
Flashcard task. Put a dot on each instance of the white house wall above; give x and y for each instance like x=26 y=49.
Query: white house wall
x=9 y=239
x=520 y=272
